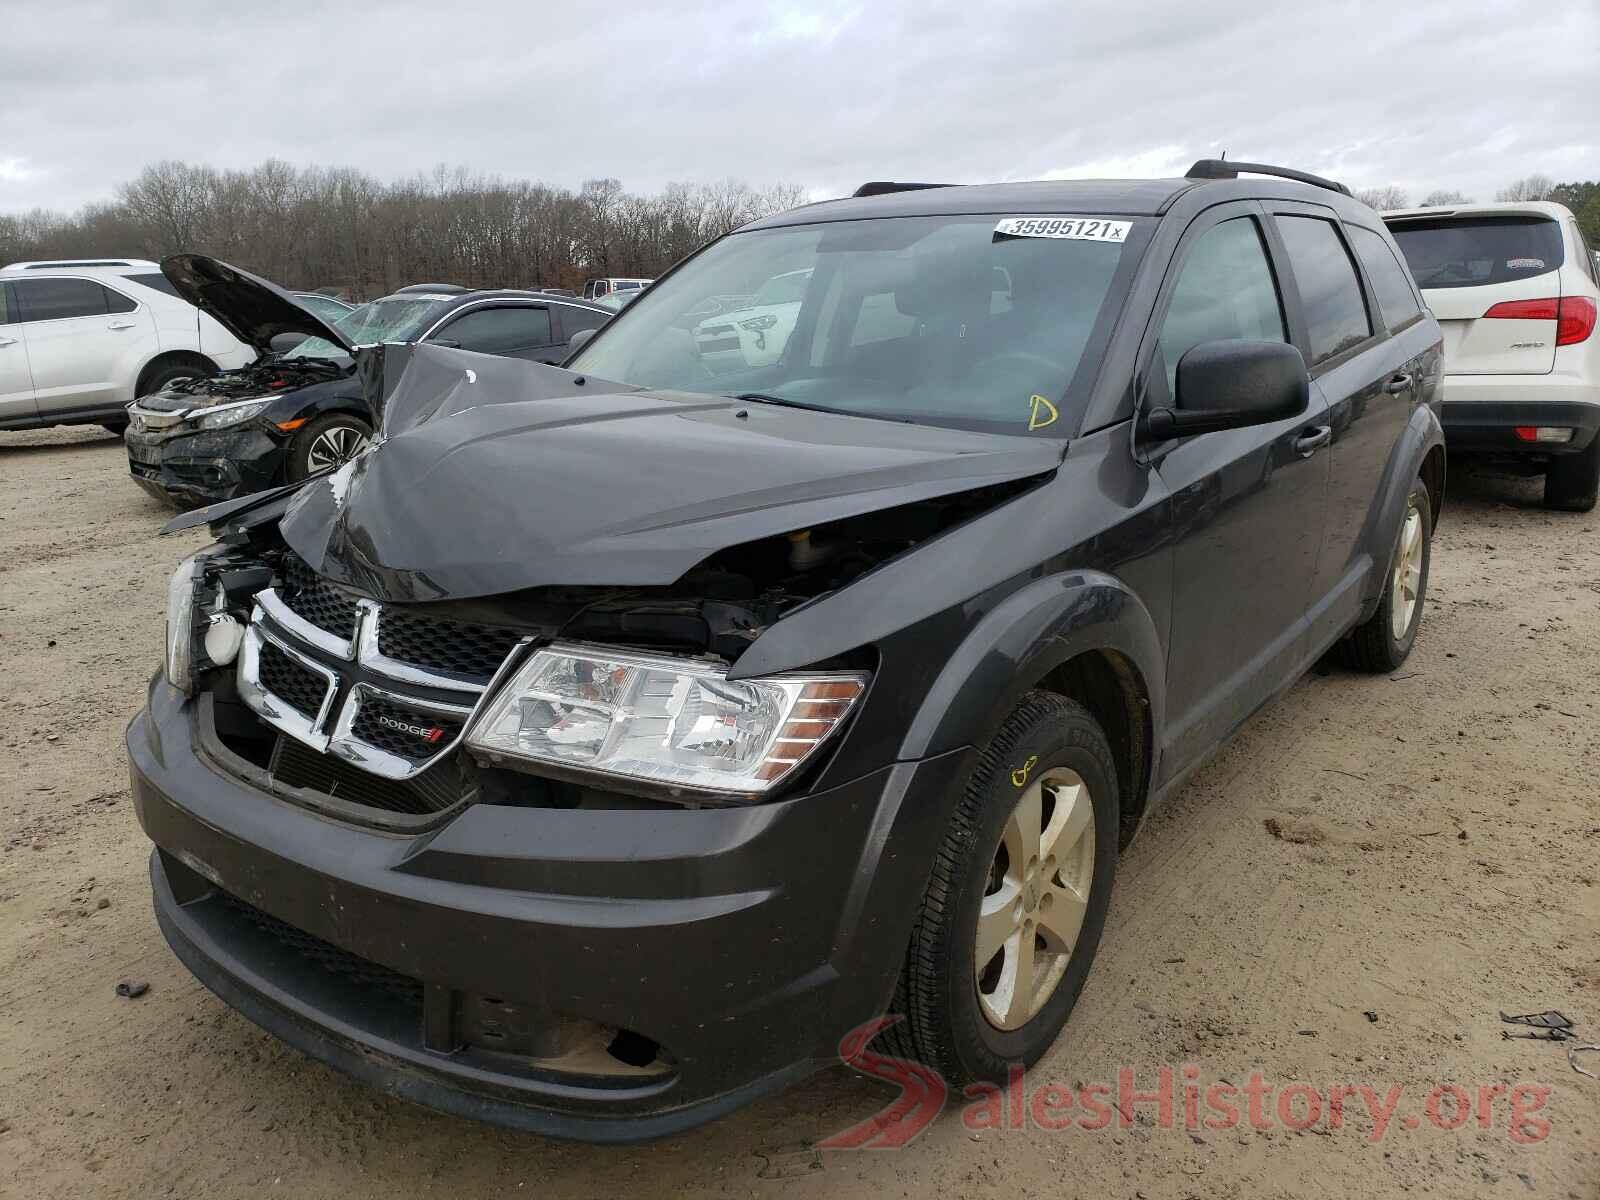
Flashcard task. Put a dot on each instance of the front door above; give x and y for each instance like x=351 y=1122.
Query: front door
x=16 y=380
x=1247 y=503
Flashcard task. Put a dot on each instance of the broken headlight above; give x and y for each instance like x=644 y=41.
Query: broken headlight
x=224 y=415
x=668 y=722
x=180 y=622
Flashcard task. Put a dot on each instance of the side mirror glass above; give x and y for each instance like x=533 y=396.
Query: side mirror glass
x=1230 y=385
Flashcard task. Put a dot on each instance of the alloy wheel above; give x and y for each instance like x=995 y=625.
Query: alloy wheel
x=334 y=446
x=1407 y=581
x=1037 y=894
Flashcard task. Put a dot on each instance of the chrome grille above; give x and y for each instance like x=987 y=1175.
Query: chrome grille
x=299 y=687
x=313 y=599
x=456 y=648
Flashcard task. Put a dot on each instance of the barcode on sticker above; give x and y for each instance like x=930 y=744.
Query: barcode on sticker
x=1082 y=229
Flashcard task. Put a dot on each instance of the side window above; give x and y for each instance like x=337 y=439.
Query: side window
x=6 y=315
x=1585 y=252
x=158 y=281
x=1396 y=301
x=55 y=299
x=499 y=330
x=1330 y=289
x=574 y=318
x=116 y=302
x=1225 y=290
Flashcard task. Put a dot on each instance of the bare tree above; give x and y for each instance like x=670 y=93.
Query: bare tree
x=1440 y=197
x=1385 y=198
x=1529 y=187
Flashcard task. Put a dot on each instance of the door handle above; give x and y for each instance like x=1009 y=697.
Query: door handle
x=120 y=324
x=1397 y=384
x=5 y=341
x=1312 y=440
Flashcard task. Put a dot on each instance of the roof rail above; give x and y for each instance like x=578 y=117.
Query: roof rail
x=1218 y=168
x=882 y=187
x=60 y=263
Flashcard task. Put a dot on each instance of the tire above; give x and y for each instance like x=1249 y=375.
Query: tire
x=1572 y=482
x=317 y=446
x=948 y=1004
x=168 y=375
x=1375 y=645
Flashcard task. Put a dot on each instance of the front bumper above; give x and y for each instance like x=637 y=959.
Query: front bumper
x=189 y=467
x=743 y=942
x=1481 y=413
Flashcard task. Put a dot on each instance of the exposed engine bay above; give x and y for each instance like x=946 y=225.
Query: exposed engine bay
x=264 y=377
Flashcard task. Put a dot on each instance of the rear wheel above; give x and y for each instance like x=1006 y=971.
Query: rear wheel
x=326 y=442
x=174 y=372
x=1572 y=483
x=1382 y=642
x=1011 y=917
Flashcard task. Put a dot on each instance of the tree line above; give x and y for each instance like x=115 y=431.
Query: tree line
x=335 y=227
x=1582 y=198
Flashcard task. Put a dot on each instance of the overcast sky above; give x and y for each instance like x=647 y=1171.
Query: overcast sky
x=1465 y=94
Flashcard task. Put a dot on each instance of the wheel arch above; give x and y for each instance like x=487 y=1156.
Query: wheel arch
x=170 y=358
x=1084 y=635
x=1420 y=453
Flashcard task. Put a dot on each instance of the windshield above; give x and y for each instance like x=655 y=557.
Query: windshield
x=1473 y=251
x=949 y=320
x=393 y=319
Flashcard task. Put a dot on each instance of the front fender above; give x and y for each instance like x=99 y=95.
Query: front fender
x=1020 y=641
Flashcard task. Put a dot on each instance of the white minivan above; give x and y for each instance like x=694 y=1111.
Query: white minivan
x=81 y=338
x=1515 y=290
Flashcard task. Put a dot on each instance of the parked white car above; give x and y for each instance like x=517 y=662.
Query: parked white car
x=80 y=339
x=1516 y=292
x=594 y=289
x=753 y=336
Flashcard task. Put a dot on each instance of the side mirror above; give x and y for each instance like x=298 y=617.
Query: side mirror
x=1232 y=384
x=577 y=341
x=282 y=343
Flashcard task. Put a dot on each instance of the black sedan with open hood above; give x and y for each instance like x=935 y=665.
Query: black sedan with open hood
x=604 y=745
x=299 y=408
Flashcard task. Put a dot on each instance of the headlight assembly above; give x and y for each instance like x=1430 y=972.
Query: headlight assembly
x=669 y=722
x=180 y=623
x=224 y=415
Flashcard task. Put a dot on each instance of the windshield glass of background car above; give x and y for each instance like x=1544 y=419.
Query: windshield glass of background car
x=397 y=320
x=939 y=319
x=1473 y=251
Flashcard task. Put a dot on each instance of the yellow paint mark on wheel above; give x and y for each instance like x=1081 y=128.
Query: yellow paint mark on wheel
x=1041 y=413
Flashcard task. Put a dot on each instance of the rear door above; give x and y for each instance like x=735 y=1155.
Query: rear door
x=1468 y=264
x=86 y=342
x=16 y=380
x=1370 y=385
x=1248 y=504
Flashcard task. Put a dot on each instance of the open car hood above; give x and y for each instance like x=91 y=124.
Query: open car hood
x=247 y=306
x=491 y=475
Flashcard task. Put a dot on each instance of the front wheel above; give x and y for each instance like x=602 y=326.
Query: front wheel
x=1383 y=641
x=328 y=441
x=1011 y=917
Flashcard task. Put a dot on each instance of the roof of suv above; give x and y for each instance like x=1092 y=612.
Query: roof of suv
x=83 y=266
x=1119 y=197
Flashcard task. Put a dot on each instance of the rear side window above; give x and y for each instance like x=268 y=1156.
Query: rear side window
x=6 y=315
x=56 y=299
x=1225 y=291
x=159 y=282
x=574 y=318
x=1330 y=289
x=1447 y=252
x=500 y=330
x=1396 y=300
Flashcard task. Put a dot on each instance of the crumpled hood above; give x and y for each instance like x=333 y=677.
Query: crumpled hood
x=252 y=309
x=493 y=475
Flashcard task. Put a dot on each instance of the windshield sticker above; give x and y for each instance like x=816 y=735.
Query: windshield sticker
x=1524 y=264
x=1079 y=229
x=1041 y=413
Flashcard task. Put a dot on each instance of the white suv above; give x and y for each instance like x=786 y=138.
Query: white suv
x=81 y=338
x=1516 y=291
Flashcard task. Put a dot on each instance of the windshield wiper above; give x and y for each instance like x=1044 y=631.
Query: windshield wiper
x=785 y=402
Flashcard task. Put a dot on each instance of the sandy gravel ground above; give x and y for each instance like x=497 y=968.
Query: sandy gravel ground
x=1424 y=848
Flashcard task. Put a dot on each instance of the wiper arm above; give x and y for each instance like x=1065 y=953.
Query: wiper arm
x=784 y=402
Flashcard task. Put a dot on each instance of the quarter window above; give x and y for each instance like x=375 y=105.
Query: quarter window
x=57 y=299
x=116 y=302
x=1224 y=291
x=500 y=330
x=1330 y=289
x=1396 y=301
